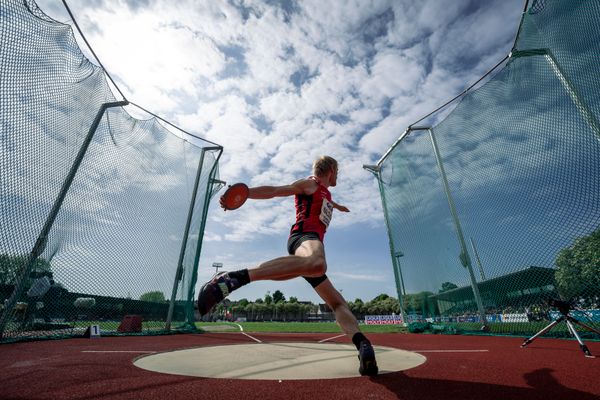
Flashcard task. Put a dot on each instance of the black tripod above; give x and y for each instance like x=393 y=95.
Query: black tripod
x=564 y=308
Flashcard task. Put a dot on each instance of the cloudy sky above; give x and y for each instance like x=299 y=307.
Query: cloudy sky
x=278 y=83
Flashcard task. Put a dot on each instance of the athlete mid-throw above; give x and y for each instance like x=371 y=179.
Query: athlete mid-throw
x=314 y=209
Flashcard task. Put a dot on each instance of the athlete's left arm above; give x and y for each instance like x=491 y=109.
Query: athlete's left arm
x=339 y=207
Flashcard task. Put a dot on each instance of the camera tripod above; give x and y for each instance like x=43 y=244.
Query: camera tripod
x=564 y=308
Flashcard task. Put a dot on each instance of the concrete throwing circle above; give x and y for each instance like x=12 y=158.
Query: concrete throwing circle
x=275 y=361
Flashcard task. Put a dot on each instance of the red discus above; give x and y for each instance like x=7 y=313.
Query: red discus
x=235 y=196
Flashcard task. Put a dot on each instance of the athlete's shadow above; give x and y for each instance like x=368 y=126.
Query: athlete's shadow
x=542 y=384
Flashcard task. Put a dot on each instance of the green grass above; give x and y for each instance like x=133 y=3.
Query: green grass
x=301 y=327
x=510 y=329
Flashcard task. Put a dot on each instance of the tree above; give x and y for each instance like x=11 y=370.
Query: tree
x=374 y=307
x=268 y=298
x=292 y=309
x=243 y=303
x=154 y=297
x=381 y=297
x=357 y=306
x=293 y=299
x=416 y=302
x=249 y=310
x=391 y=305
x=278 y=296
x=578 y=267
x=447 y=286
x=259 y=311
x=280 y=311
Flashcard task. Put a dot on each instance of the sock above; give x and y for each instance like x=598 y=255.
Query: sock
x=242 y=277
x=357 y=338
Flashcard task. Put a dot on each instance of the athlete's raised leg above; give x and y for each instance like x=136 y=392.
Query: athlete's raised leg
x=308 y=261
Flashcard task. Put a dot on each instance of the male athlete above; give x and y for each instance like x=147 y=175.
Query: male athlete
x=314 y=209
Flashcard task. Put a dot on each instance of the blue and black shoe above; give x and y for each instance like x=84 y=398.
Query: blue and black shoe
x=214 y=291
x=366 y=356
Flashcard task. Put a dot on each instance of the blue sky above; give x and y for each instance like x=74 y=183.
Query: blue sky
x=279 y=83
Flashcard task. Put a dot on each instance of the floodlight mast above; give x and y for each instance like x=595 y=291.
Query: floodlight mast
x=216 y=266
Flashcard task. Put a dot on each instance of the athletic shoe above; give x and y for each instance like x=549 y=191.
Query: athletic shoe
x=366 y=356
x=214 y=291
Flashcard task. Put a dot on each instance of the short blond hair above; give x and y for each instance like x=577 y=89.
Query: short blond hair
x=323 y=165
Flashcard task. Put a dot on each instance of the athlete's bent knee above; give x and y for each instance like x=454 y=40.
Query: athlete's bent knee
x=319 y=266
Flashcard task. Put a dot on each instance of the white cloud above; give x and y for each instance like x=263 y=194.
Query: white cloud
x=365 y=70
x=358 y=277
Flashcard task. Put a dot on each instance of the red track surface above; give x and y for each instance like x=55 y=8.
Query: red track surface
x=66 y=369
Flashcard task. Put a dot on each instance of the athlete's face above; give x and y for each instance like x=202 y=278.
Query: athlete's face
x=333 y=178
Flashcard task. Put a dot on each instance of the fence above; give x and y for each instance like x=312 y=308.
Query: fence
x=102 y=214
x=495 y=210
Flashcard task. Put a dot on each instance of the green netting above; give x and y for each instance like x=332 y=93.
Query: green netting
x=517 y=221
x=114 y=240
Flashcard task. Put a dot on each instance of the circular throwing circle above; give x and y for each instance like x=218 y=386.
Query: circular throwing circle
x=276 y=361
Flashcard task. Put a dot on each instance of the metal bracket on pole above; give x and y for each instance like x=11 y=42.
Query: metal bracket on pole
x=218 y=185
x=42 y=240
x=374 y=169
x=397 y=142
x=478 y=260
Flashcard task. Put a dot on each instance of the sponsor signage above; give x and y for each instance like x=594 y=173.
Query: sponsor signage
x=383 y=319
x=580 y=315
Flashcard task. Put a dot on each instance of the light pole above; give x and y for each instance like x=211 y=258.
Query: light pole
x=216 y=266
x=399 y=254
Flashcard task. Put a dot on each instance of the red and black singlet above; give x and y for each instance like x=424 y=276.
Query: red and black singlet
x=313 y=212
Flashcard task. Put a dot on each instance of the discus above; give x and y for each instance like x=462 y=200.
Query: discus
x=235 y=196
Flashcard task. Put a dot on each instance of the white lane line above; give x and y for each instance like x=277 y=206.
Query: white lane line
x=244 y=333
x=117 y=351
x=331 y=338
x=450 y=351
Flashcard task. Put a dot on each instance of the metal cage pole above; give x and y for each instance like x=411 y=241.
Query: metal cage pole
x=42 y=239
x=186 y=231
x=209 y=193
x=464 y=254
x=397 y=255
x=376 y=170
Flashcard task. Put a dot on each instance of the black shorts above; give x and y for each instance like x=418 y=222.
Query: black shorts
x=295 y=240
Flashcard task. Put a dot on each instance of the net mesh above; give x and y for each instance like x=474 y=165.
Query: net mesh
x=505 y=216
x=115 y=239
